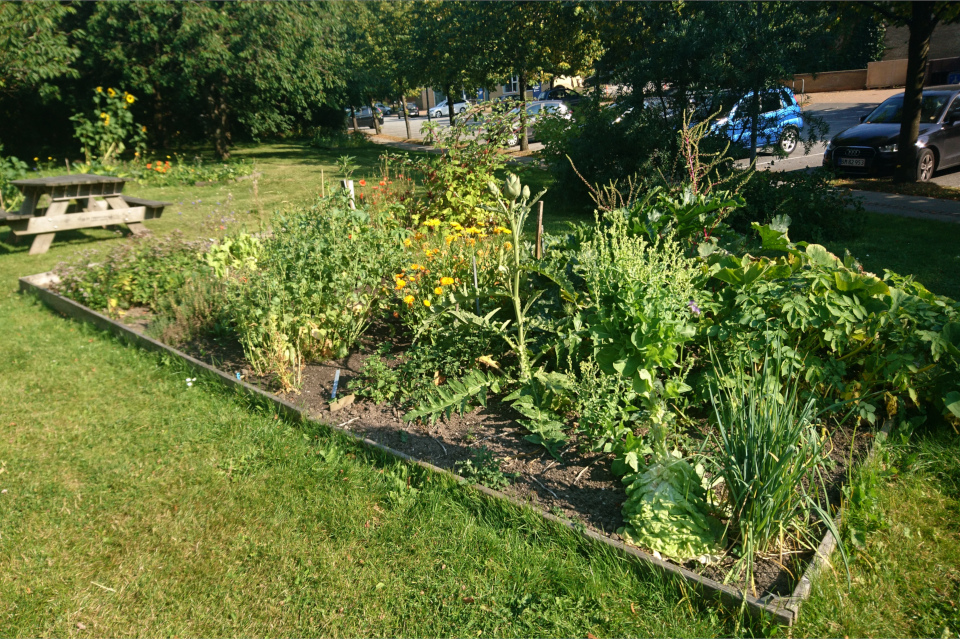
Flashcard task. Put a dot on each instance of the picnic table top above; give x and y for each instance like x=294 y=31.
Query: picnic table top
x=67 y=181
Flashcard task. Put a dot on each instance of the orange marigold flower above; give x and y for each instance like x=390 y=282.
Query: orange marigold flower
x=409 y=300
x=401 y=284
x=446 y=281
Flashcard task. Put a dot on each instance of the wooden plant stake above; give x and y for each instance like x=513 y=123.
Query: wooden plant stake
x=540 y=230
x=476 y=287
x=323 y=185
x=348 y=186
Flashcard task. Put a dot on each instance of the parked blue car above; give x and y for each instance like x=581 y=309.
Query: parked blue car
x=781 y=120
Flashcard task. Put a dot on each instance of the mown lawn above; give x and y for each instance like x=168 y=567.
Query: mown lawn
x=133 y=504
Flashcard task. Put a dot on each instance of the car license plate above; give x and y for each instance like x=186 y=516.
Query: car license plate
x=852 y=162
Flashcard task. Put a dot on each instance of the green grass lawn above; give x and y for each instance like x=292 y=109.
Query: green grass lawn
x=133 y=504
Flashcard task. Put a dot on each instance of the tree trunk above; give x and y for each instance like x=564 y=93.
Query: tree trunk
x=220 y=125
x=376 y=120
x=406 y=114
x=522 y=85
x=921 y=25
x=353 y=117
x=426 y=101
x=754 y=122
x=449 y=90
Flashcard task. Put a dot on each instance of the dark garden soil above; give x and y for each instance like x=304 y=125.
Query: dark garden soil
x=580 y=487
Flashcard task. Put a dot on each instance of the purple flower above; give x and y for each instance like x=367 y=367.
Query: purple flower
x=694 y=308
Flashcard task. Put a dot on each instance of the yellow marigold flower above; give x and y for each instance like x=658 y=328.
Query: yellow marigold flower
x=99 y=89
x=426 y=303
x=416 y=267
x=438 y=291
x=103 y=114
x=111 y=92
x=446 y=281
x=408 y=299
x=456 y=225
x=433 y=223
x=401 y=284
x=129 y=98
x=406 y=242
x=500 y=230
x=473 y=230
x=507 y=246
x=143 y=128
x=450 y=239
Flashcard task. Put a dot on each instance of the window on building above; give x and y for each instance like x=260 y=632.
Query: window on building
x=513 y=86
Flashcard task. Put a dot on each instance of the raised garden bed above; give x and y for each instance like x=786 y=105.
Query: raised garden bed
x=579 y=492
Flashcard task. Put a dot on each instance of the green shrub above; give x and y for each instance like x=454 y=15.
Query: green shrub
x=376 y=380
x=11 y=168
x=817 y=211
x=191 y=311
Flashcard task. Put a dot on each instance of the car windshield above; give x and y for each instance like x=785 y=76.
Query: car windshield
x=891 y=111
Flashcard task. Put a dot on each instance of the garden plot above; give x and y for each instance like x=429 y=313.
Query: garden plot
x=640 y=379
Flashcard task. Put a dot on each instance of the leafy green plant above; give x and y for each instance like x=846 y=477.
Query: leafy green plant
x=237 y=252
x=11 y=168
x=771 y=459
x=192 y=310
x=454 y=181
x=105 y=136
x=818 y=211
x=376 y=381
x=843 y=331
x=483 y=468
x=137 y=273
x=320 y=280
x=456 y=395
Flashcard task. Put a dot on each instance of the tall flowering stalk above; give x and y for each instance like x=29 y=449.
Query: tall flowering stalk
x=515 y=202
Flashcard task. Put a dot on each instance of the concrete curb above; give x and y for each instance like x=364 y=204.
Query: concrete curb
x=784 y=610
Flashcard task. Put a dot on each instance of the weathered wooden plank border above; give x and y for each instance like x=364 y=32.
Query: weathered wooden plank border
x=783 y=610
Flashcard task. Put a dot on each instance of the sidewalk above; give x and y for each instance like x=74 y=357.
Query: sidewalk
x=910 y=206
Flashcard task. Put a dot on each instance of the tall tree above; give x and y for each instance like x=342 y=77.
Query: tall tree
x=529 y=39
x=921 y=18
x=33 y=48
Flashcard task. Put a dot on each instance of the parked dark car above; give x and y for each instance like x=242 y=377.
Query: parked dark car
x=567 y=96
x=365 y=117
x=870 y=148
x=412 y=109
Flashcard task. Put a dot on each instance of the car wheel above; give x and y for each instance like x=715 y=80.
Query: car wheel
x=462 y=109
x=926 y=165
x=788 y=140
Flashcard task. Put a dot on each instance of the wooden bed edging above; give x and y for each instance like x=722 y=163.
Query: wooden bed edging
x=784 y=610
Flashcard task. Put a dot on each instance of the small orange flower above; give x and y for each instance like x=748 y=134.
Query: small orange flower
x=382 y=183
x=363 y=183
x=409 y=300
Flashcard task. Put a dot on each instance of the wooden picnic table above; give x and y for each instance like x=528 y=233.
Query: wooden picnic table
x=78 y=201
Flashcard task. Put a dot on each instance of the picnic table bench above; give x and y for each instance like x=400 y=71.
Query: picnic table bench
x=79 y=201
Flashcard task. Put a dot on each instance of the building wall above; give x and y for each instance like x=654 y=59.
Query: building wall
x=944 y=43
